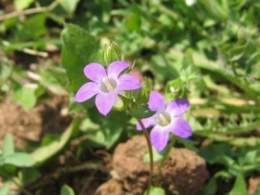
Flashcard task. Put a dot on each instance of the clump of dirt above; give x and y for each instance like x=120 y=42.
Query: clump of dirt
x=21 y=124
x=253 y=184
x=33 y=124
x=183 y=172
x=129 y=166
x=112 y=186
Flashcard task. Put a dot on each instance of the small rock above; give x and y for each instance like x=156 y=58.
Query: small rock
x=129 y=165
x=184 y=172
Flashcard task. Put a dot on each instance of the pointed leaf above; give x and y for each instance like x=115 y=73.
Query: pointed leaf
x=67 y=190
x=156 y=191
x=8 y=147
x=69 y=5
x=19 y=159
x=4 y=190
x=78 y=49
x=239 y=187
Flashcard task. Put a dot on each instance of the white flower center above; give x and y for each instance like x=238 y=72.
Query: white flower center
x=163 y=118
x=108 y=85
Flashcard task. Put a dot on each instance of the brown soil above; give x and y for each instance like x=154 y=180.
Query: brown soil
x=254 y=183
x=184 y=172
x=84 y=174
x=83 y=182
x=33 y=124
x=112 y=186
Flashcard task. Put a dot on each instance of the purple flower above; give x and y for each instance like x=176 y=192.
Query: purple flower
x=167 y=118
x=106 y=85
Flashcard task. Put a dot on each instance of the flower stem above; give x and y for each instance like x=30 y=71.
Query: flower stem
x=150 y=150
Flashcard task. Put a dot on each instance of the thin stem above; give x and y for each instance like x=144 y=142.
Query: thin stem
x=150 y=150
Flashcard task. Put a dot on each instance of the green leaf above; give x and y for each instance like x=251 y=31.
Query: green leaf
x=218 y=153
x=6 y=68
x=257 y=191
x=156 y=191
x=44 y=153
x=69 y=5
x=28 y=176
x=140 y=112
x=216 y=9
x=53 y=78
x=2 y=160
x=109 y=130
x=78 y=49
x=26 y=96
x=239 y=187
x=8 y=146
x=211 y=187
x=106 y=137
x=4 y=190
x=156 y=156
x=133 y=19
x=66 y=190
x=32 y=28
x=22 y=4
x=19 y=159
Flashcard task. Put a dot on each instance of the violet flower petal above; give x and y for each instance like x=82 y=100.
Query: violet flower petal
x=181 y=128
x=156 y=101
x=148 y=122
x=116 y=67
x=128 y=82
x=105 y=101
x=159 y=138
x=95 y=72
x=178 y=107
x=86 y=91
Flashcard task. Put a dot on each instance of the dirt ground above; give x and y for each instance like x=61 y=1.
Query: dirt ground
x=30 y=126
x=99 y=171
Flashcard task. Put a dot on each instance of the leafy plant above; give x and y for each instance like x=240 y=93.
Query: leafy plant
x=10 y=157
x=206 y=51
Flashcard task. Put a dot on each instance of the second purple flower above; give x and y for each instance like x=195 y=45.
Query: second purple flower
x=167 y=119
x=106 y=85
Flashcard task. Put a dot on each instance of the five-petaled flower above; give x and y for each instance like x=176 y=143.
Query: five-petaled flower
x=106 y=85
x=167 y=118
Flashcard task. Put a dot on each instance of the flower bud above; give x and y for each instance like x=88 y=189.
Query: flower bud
x=111 y=53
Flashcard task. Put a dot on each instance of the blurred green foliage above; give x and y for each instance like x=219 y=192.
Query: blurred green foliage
x=66 y=190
